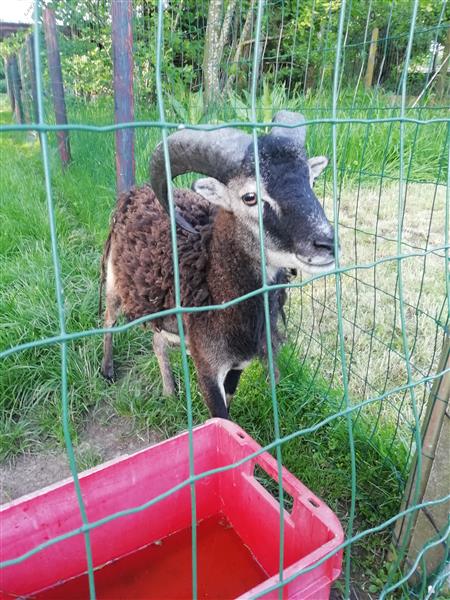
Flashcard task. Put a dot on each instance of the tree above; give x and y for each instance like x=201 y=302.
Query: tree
x=216 y=37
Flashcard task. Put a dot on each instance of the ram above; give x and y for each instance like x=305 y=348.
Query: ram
x=219 y=248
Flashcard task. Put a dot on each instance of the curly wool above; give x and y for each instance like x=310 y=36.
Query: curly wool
x=140 y=246
x=142 y=257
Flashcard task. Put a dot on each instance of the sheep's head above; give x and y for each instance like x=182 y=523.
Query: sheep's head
x=297 y=232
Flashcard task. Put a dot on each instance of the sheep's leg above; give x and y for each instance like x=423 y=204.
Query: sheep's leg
x=212 y=387
x=110 y=319
x=231 y=382
x=160 y=348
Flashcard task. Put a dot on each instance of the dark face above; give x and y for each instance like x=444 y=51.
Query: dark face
x=297 y=232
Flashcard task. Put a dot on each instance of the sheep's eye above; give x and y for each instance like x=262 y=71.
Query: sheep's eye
x=249 y=199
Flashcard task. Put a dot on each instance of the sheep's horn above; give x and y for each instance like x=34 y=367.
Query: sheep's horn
x=218 y=153
x=296 y=134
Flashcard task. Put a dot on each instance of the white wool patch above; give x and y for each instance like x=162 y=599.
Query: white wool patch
x=110 y=277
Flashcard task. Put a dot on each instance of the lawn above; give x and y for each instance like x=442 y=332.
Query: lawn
x=311 y=386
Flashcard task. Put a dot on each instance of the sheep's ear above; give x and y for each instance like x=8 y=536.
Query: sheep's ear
x=212 y=190
x=316 y=165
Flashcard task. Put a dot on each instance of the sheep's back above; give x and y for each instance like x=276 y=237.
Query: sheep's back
x=142 y=253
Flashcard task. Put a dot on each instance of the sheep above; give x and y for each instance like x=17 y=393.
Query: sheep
x=218 y=246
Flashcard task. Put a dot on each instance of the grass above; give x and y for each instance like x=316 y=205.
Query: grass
x=370 y=299
x=310 y=388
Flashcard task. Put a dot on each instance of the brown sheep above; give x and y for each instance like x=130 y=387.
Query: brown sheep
x=219 y=249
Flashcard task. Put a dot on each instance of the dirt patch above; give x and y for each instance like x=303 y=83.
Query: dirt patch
x=106 y=436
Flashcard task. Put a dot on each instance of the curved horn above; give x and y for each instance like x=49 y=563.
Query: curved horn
x=296 y=134
x=216 y=154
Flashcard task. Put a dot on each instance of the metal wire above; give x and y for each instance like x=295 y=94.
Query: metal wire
x=337 y=50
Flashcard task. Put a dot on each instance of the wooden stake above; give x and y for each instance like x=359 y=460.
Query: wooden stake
x=9 y=86
x=371 y=60
x=16 y=86
x=24 y=78
x=443 y=74
x=55 y=71
x=434 y=478
x=122 y=45
x=32 y=72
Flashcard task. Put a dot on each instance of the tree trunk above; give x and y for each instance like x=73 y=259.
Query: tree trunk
x=211 y=57
x=243 y=40
x=226 y=26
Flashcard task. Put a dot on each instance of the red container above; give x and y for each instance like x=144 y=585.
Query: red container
x=311 y=528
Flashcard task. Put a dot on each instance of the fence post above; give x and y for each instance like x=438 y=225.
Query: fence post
x=122 y=46
x=9 y=87
x=434 y=477
x=16 y=86
x=32 y=73
x=371 y=60
x=55 y=72
x=24 y=77
x=443 y=74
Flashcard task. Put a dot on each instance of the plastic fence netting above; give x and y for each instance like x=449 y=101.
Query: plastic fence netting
x=366 y=363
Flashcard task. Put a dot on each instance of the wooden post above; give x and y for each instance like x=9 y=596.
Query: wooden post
x=371 y=60
x=54 y=67
x=32 y=74
x=445 y=63
x=434 y=477
x=16 y=86
x=122 y=46
x=24 y=77
x=9 y=86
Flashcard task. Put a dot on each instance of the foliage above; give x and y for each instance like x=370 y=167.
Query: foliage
x=87 y=66
x=12 y=43
x=299 y=41
x=318 y=20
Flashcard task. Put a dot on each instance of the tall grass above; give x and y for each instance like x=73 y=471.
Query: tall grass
x=363 y=149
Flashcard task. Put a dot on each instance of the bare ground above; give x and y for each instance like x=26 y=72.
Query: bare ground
x=105 y=436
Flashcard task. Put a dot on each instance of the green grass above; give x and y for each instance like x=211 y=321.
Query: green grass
x=367 y=150
x=309 y=389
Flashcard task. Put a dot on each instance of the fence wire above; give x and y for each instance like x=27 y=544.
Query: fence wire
x=370 y=334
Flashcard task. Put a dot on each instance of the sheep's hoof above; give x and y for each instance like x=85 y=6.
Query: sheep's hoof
x=108 y=373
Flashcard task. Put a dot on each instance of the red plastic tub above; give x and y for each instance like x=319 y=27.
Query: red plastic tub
x=148 y=554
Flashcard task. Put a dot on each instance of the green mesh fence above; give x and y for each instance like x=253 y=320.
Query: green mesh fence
x=366 y=344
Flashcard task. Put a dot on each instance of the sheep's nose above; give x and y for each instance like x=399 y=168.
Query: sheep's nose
x=325 y=242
